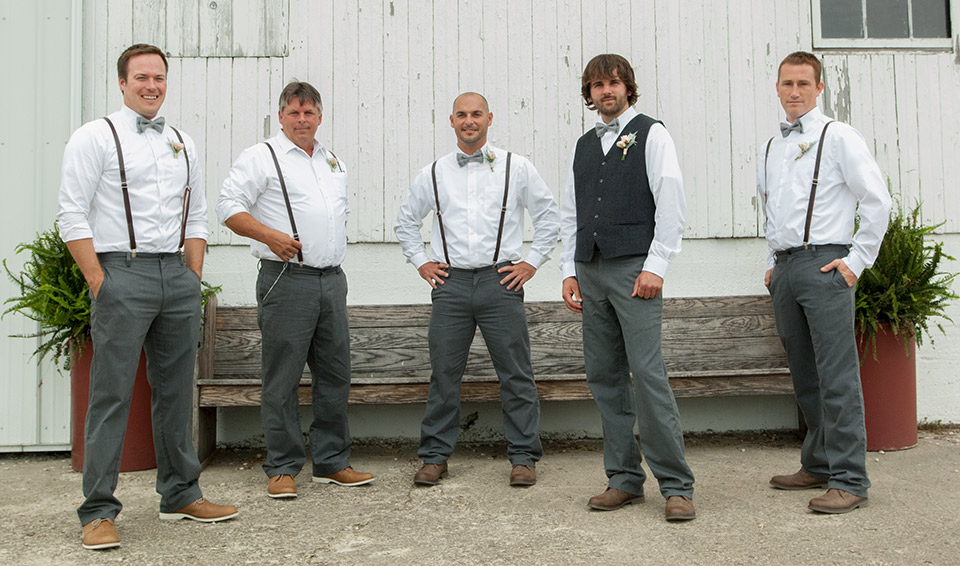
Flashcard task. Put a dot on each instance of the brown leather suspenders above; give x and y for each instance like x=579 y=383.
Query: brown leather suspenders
x=286 y=200
x=503 y=211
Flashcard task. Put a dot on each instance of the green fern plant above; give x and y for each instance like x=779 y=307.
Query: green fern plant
x=905 y=288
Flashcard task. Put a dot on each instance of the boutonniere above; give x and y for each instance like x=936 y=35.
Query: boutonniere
x=490 y=156
x=177 y=147
x=625 y=142
x=333 y=164
x=804 y=148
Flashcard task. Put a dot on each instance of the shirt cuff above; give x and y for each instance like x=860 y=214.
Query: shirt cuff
x=418 y=259
x=855 y=264
x=568 y=269
x=535 y=259
x=70 y=231
x=656 y=265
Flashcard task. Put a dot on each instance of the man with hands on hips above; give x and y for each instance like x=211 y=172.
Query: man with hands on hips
x=477 y=274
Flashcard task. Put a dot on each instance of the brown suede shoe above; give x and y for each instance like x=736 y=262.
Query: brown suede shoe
x=837 y=501
x=100 y=534
x=613 y=499
x=203 y=511
x=282 y=486
x=523 y=476
x=430 y=474
x=346 y=477
x=799 y=480
x=680 y=508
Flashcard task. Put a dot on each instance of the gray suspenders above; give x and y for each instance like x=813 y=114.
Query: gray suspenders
x=126 y=192
x=503 y=211
x=813 y=185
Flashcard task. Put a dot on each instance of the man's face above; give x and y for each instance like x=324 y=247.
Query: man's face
x=798 y=90
x=145 y=85
x=470 y=120
x=300 y=122
x=609 y=95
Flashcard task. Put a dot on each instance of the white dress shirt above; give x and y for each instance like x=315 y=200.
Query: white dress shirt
x=91 y=202
x=666 y=185
x=471 y=198
x=849 y=176
x=317 y=186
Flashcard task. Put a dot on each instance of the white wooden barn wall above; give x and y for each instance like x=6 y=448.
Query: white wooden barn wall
x=389 y=70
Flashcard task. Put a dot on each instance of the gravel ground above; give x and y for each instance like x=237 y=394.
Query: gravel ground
x=474 y=517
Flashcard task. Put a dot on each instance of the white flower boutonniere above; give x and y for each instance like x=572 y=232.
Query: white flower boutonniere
x=804 y=148
x=333 y=163
x=625 y=142
x=177 y=147
x=490 y=156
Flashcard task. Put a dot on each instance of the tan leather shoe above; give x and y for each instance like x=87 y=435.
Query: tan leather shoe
x=100 y=534
x=346 y=477
x=799 y=480
x=523 y=476
x=680 y=508
x=282 y=486
x=203 y=511
x=612 y=499
x=430 y=474
x=837 y=501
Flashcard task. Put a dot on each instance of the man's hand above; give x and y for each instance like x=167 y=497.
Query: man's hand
x=94 y=282
x=433 y=272
x=767 y=277
x=838 y=264
x=571 y=294
x=282 y=244
x=647 y=285
x=517 y=275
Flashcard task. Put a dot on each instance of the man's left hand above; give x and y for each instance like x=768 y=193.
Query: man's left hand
x=838 y=264
x=647 y=285
x=517 y=275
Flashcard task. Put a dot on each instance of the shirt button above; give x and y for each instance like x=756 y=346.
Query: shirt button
x=603 y=163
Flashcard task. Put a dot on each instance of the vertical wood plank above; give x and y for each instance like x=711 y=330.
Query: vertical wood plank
x=593 y=29
x=218 y=150
x=950 y=118
x=346 y=95
x=519 y=71
x=173 y=102
x=425 y=118
x=885 y=141
x=571 y=110
x=274 y=28
x=119 y=37
x=717 y=130
x=547 y=152
x=216 y=29
x=368 y=171
x=396 y=77
x=929 y=124
x=97 y=77
x=471 y=35
x=495 y=83
x=446 y=76
x=643 y=53
x=688 y=133
x=150 y=22
x=742 y=108
x=619 y=35
x=908 y=138
x=183 y=27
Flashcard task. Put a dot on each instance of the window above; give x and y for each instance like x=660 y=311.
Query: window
x=882 y=23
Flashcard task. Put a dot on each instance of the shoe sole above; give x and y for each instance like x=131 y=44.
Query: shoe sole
x=423 y=481
x=689 y=517
x=615 y=507
x=344 y=484
x=178 y=516
x=523 y=483
x=834 y=511
x=102 y=546
x=281 y=495
x=798 y=487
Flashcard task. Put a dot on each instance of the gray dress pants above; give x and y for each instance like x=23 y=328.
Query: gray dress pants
x=467 y=299
x=150 y=302
x=302 y=313
x=621 y=336
x=814 y=314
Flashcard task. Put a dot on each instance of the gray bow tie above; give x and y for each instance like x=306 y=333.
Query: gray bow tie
x=463 y=159
x=786 y=128
x=613 y=126
x=156 y=124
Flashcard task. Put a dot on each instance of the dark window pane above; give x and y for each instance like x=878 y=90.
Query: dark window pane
x=887 y=18
x=841 y=18
x=931 y=18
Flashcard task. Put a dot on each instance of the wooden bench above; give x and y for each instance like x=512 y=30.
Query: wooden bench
x=713 y=347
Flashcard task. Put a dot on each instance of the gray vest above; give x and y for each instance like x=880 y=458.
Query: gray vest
x=615 y=208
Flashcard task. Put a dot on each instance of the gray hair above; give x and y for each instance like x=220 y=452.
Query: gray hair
x=303 y=92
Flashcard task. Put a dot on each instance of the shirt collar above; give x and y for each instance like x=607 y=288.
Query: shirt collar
x=287 y=145
x=629 y=114
x=809 y=119
x=129 y=117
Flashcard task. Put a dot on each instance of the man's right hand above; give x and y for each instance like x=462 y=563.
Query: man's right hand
x=433 y=273
x=95 y=281
x=571 y=294
x=282 y=244
x=767 y=277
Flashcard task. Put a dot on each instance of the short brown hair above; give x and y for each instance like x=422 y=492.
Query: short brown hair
x=133 y=51
x=607 y=66
x=802 y=58
x=302 y=92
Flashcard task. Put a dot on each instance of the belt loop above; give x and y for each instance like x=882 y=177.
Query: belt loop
x=129 y=257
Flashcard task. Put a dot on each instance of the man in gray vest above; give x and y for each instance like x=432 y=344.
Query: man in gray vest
x=289 y=196
x=621 y=225
x=814 y=262
x=133 y=215
x=477 y=271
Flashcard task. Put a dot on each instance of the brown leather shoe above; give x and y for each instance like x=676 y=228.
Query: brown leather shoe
x=837 y=501
x=100 y=534
x=613 y=499
x=799 y=480
x=346 y=477
x=430 y=474
x=282 y=486
x=523 y=476
x=203 y=511
x=680 y=508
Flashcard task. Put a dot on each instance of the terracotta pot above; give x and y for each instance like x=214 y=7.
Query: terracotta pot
x=890 y=392
x=138 y=453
